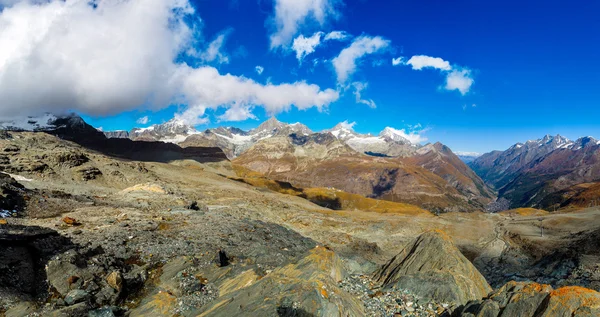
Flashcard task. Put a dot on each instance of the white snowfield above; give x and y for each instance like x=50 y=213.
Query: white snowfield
x=29 y=123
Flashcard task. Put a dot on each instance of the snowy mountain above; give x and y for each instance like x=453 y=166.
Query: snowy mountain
x=44 y=122
x=234 y=141
x=389 y=142
x=527 y=173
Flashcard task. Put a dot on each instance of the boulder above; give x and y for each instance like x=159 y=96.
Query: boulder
x=529 y=299
x=432 y=267
x=76 y=296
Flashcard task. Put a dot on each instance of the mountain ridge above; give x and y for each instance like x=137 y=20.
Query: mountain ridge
x=528 y=172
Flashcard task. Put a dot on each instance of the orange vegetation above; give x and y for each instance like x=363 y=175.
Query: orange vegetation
x=350 y=201
x=331 y=198
x=524 y=212
x=582 y=295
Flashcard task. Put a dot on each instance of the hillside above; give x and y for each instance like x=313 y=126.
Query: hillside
x=531 y=174
x=322 y=160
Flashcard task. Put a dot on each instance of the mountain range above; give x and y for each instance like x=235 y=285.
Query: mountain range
x=552 y=172
x=384 y=166
x=544 y=173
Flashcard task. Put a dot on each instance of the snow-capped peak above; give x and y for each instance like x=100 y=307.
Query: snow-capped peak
x=395 y=135
x=342 y=131
x=30 y=123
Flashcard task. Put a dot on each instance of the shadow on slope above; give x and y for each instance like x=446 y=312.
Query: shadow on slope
x=74 y=129
x=24 y=253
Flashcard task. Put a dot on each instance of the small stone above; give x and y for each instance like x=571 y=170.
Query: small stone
x=115 y=280
x=72 y=279
x=77 y=231
x=3 y=222
x=410 y=309
x=71 y=221
x=76 y=296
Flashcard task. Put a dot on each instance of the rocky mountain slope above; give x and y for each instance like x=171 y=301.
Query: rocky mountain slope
x=526 y=174
x=432 y=178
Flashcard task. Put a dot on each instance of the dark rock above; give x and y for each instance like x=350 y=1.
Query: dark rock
x=76 y=296
x=5 y=135
x=11 y=148
x=222 y=259
x=71 y=159
x=102 y=312
x=11 y=195
x=89 y=173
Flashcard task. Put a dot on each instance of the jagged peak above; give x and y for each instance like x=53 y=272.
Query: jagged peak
x=269 y=125
x=344 y=125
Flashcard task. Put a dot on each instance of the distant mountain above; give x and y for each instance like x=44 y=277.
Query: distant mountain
x=172 y=131
x=527 y=173
x=433 y=177
x=467 y=157
x=234 y=141
x=73 y=128
x=389 y=142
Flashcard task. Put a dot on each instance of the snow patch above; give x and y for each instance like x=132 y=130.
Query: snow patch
x=30 y=123
x=19 y=178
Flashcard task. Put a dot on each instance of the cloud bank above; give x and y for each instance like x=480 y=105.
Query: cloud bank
x=115 y=56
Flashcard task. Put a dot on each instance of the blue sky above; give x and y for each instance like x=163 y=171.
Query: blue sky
x=534 y=68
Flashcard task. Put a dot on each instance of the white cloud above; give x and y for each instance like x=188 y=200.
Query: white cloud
x=345 y=62
x=347 y=125
x=259 y=69
x=398 y=61
x=419 y=62
x=290 y=16
x=337 y=35
x=236 y=113
x=60 y=56
x=193 y=116
x=415 y=136
x=143 y=120
x=358 y=88
x=304 y=46
x=459 y=79
x=206 y=88
x=214 y=52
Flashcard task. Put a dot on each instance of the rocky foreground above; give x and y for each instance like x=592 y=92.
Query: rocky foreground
x=86 y=233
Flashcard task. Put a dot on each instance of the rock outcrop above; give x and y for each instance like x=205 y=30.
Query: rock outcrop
x=432 y=267
x=307 y=288
x=528 y=299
